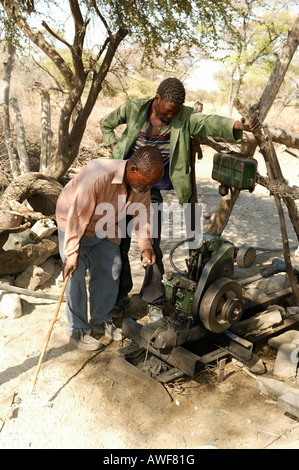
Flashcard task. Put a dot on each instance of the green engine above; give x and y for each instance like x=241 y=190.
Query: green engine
x=207 y=296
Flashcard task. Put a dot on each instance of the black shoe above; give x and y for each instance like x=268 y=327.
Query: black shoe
x=120 y=306
x=99 y=329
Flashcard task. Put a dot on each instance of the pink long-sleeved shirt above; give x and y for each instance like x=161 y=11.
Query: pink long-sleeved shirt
x=96 y=201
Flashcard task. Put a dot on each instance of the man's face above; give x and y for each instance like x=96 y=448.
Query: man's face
x=165 y=110
x=141 y=183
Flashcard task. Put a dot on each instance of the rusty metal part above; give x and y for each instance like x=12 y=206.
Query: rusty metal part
x=220 y=265
x=191 y=361
x=221 y=305
x=246 y=256
x=177 y=357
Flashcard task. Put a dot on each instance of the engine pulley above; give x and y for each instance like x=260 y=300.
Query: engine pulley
x=246 y=256
x=221 y=305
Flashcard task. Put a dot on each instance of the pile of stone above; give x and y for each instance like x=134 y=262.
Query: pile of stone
x=284 y=384
x=37 y=265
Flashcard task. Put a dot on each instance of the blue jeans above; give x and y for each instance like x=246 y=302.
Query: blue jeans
x=152 y=290
x=102 y=258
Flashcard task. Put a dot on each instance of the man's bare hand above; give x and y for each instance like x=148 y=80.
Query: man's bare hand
x=148 y=257
x=252 y=127
x=68 y=268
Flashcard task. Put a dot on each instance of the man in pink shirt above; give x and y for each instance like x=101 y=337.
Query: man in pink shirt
x=90 y=213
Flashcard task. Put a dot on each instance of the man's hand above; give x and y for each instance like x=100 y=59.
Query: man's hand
x=252 y=127
x=68 y=268
x=148 y=257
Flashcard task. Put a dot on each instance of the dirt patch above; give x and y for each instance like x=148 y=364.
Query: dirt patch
x=92 y=400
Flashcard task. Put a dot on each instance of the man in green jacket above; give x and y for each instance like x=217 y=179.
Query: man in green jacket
x=166 y=123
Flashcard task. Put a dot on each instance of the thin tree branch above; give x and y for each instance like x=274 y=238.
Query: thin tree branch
x=44 y=24
x=94 y=4
x=38 y=39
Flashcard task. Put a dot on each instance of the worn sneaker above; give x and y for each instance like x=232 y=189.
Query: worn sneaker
x=155 y=312
x=85 y=341
x=112 y=332
x=120 y=306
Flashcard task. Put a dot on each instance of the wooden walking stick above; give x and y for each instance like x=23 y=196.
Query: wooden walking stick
x=50 y=331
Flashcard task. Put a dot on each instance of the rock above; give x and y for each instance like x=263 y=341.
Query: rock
x=59 y=280
x=35 y=276
x=7 y=280
x=10 y=305
x=17 y=240
x=38 y=278
x=254 y=294
x=292 y=310
x=23 y=279
x=256 y=365
x=287 y=337
x=44 y=228
x=16 y=261
x=274 y=283
x=10 y=219
x=286 y=361
x=48 y=267
x=289 y=402
x=274 y=388
x=259 y=322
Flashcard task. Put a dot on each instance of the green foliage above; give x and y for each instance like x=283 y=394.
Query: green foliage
x=139 y=87
x=249 y=33
x=169 y=25
x=158 y=27
x=261 y=28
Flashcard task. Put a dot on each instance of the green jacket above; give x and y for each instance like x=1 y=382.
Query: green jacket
x=183 y=125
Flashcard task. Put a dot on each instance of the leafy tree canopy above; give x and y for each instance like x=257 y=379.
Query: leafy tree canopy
x=158 y=27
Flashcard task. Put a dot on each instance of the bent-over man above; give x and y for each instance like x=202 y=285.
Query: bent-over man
x=89 y=215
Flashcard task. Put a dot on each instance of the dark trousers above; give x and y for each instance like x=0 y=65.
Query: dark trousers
x=152 y=290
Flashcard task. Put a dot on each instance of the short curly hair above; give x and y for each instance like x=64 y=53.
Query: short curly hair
x=147 y=158
x=172 y=90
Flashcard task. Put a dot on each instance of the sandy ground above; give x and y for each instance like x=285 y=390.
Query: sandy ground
x=93 y=400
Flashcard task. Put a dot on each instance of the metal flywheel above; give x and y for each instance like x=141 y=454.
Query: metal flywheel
x=221 y=305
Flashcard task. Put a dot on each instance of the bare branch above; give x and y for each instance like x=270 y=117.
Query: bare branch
x=94 y=4
x=38 y=39
x=107 y=40
x=80 y=30
x=44 y=24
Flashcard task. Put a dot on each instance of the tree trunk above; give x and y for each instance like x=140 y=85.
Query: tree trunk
x=272 y=165
x=276 y=78
x=282 y=187
x=31 y=293
x=41 y=192
x=279 y=71
x=21 y=144
x=46 y=133
x=274 y=172
x=266 y=102
x=234 y=94
x=6 y=121
x=218 y=219
x=69 y=142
